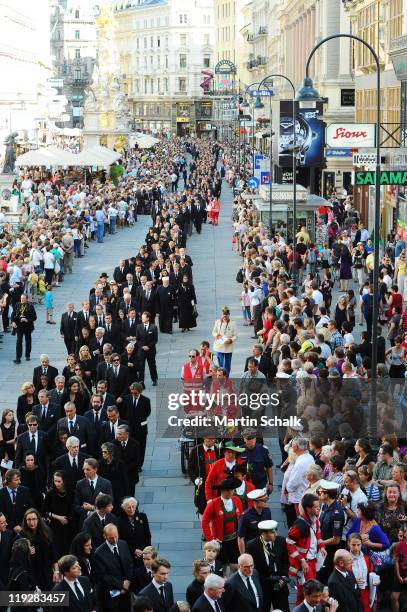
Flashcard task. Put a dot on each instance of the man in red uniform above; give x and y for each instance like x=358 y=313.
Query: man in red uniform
x=220 y=520
x=192 y=376
x=221 y=469
x=304 y=542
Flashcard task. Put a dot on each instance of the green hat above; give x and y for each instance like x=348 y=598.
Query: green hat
x=232 y=447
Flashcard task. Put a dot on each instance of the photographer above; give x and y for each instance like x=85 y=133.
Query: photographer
x=273 y=573
x=351 y=495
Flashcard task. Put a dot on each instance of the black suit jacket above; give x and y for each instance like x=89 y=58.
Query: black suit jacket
x=153 y=595
x=109 y=400
x=57 y=400
x=117 y=385
x=256 y=550
x=81 y=430
x=29 y=314
x=95 y=346
x=141 y=579
x=136 y=415
x=149 y=305
x=93 y=526
x=53 y=415
x=51 y=373
x=203 y=605
x=86 y=604
x=147 y=337
x=113 y=336
x=120 y=276
x=345 y=591
x=83 y=494
x=6 y=544
x=14 y=512
x=194 y=590
x=303 y=608
x=72 y=476
x=238 y=597
x=106 y=431
x=130 y=455
x=67 y=325
x=111 y=572
x=81 y=323
x=129 y=331
x=24 y=444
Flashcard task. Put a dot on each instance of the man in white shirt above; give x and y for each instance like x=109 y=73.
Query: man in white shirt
x=247 y=593
x=351 y=496
x=214 y=587
x=79 y=587
x=297 y=482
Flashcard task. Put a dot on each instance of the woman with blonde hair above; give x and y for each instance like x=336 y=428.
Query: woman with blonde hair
x=26 y=401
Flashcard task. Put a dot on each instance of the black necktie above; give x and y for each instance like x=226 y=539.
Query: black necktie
x=74 y=464
x=161 y=589
x=44 y=414
x=92 y=487
x=212 y=569
x=112 y=431
x=71 y=427
x=102 y=522
x=108 y=328
x=217 y=607
x=77 y=591
x=97 y=418
x=250 y=589
x=33 y=442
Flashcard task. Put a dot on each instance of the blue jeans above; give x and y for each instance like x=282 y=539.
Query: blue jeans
x=100 y=231
x=224 y=360
x=77 y=247
x=112 y=225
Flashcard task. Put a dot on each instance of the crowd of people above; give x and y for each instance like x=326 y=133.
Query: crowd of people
x=73 y=448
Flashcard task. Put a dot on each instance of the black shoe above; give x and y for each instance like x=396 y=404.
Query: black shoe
x=254 y=337
x=17 y=360
x=154 y=383
x=140 y=469
x=28 y=358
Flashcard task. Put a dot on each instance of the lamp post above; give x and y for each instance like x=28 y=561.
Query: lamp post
x=259 y=104
x=294 y=147
x=245 y=104
x=309 y=94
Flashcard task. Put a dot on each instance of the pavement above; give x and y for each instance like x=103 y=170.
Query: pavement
x=163 y=492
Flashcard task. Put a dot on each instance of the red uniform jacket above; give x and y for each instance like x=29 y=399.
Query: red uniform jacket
x=299 y=540
x=217 y=473
x=212 y=518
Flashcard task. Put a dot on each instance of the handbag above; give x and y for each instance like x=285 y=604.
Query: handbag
x=381 y=559
x=239 y=276
x=195 y=312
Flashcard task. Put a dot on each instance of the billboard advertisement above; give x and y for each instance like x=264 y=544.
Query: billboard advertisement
x=310 y=135
x=351 y=135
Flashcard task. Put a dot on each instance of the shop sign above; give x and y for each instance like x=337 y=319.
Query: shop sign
x=337 y=152
x=182 y=119
x=351 y=135
x=386 y=178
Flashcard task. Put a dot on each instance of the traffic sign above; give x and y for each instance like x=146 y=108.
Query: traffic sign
x=265 y=178
x=253 y=182
x=267 y=93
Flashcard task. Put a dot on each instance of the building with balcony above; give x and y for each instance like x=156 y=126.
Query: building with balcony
x=166 y=48
x=73 y=48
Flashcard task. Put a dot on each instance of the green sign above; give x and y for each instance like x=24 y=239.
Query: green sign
x=387 y=177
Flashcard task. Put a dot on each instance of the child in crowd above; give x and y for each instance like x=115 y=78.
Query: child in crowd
x=49 y=305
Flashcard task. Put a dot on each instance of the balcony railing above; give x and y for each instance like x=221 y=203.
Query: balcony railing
x=256 y=62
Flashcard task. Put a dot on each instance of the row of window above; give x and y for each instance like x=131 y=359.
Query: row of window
x=159 y=86
x=182 y=61
x=156 y=42
x=158 y=22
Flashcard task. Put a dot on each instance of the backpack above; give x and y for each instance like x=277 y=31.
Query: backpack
x=311 y=256
x=239 y=276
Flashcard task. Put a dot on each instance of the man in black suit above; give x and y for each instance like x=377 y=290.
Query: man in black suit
x=201 y=456
x=117 y=377
x=47 y=414
x=34 y=441
x=112 y=332
x=56 y=395
x=244 y=590
x=149 y=300
x=129 y=326
x=143 y=575
x=119 y=273
x=342 y=584
x=159 y=591
x=44 y=369
x=88 y=488
x=200 y=570
x=140 y=291
x=114 y=571
x=130 y=284
x=129 y=452
x=264 y=363
x=96 y=344
x=95 y=522
x=105 y=363
x=81 y=595
x=126 y=304
x=313 y=590
x=96 y=416
x=136 y=408
x=108 y=399
x=147 y=338
x=71 y=463
x=108 y=429
x=67 y=327
x=7 y=538
x=214 y=588
x=15 y=499
x=23 y=319
x=82 y=318
x=270 y=556
x=76 y=426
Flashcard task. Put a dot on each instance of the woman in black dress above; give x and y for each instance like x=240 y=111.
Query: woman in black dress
x=59 y=446
x=83 y=339
x=69 y=369
x=44 y=558
x=133 y=527
x=129 y=358
x=57 y=508
x=25 y=403
x=21 y=577
x=186 y=305
x=8 y=433
x=81 y=547
x=112 y=468
x=33 y=477
x=73 y=394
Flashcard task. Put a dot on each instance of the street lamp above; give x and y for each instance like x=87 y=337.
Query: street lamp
x=259 y=104
x=245 y=104
x=308 y=94
x=294 y=146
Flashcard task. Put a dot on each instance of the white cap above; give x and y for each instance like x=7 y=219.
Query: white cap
x=267 y=525
x=257 y=494
x=328 y=485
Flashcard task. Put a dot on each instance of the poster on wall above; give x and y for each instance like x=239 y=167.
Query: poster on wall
x=310 y=136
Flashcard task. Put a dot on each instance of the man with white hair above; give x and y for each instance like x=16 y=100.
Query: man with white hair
x=210 y=601
x=245 y=592
x=297 y=482
x=44 y=369
x=97 y=343
x=71 y=463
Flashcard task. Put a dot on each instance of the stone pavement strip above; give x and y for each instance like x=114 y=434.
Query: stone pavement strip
x=163 y=493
